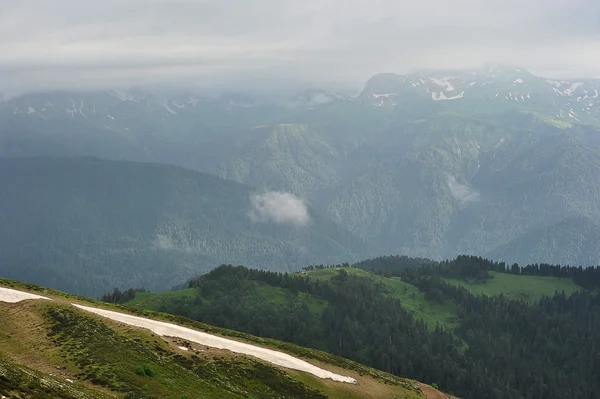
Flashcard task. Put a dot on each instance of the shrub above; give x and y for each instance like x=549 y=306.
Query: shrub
x=144 y=369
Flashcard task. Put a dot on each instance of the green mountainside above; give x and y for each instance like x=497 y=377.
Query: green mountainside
x=51 y=349
x=439 y=322
x=435 y=163
x=86 y=225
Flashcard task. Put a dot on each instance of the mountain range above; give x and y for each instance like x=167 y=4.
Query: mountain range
x=88 y=225
x=496 y=162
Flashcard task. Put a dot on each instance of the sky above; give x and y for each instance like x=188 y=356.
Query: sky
x=284 y=44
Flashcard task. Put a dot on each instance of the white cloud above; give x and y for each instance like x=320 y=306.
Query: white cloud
x=164 y=242
x=278 y=207
x=462 y=192
x=258 y=43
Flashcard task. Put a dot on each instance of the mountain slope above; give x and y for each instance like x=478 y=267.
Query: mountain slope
x=434 y=163
x=87 y=356
x=478 y=346
x=87 y=226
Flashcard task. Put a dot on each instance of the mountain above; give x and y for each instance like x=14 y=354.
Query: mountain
x=87 y=225
x=432 y=163
x=52 y=345
x=455 y=323
x=501 y=87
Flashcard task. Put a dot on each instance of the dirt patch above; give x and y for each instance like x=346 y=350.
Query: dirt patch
x=432 y=393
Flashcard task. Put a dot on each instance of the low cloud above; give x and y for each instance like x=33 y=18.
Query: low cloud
x=164 y=242
x=462 y=192
x=264 y=44
x=278 y=207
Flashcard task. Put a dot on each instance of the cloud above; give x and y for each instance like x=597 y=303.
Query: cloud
x=164 y=242
x=278 y=207
x=462 y=192
x=269 y=44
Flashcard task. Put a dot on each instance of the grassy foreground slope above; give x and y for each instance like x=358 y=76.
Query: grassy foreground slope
x=50 y=349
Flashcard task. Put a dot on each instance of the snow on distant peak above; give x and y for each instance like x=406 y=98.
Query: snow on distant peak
x=442 y=96
x=386 y=95
x=572 y=88
x=444 y=82
x=553 y=82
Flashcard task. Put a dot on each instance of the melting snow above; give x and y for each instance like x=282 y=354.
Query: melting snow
x=444 y=82
x=572 y=88
x=14 y=296
x=518 y=81
x=386 y=95
x=442 y=96
x=572 y=115
x=173 y=330
x=169 y=109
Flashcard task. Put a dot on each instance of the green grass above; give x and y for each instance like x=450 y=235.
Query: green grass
x=411 y=298
x=401 y=387
x=528 y=288
x=152 y=300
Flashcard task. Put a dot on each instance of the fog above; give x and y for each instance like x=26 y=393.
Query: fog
x=271 y=46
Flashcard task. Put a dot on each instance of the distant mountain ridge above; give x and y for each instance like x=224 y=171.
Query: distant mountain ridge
x=87 y=225
x=432 y=163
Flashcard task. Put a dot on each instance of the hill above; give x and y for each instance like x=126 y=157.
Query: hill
x=87 y=225
x=53 y=345
x=416 y=318
x=431 y=164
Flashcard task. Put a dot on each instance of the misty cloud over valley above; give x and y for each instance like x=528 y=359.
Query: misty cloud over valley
x=278 y=207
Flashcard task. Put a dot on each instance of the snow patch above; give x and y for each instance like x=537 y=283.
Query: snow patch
x=518 y=81
x=173 y=330
x=572 y=88
x=183 y=348
x=386 y=95
x=31 y=110
x=441 y=96
x=14 y=296
x=572 y=115
x=553 y=82
x=444 y=82
x=170 y=109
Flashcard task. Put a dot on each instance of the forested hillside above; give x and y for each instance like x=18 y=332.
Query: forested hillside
x=504 y=166
x=88 y=225
x=411 y=317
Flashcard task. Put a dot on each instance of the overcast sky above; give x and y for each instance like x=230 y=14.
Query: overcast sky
x=285 y=43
